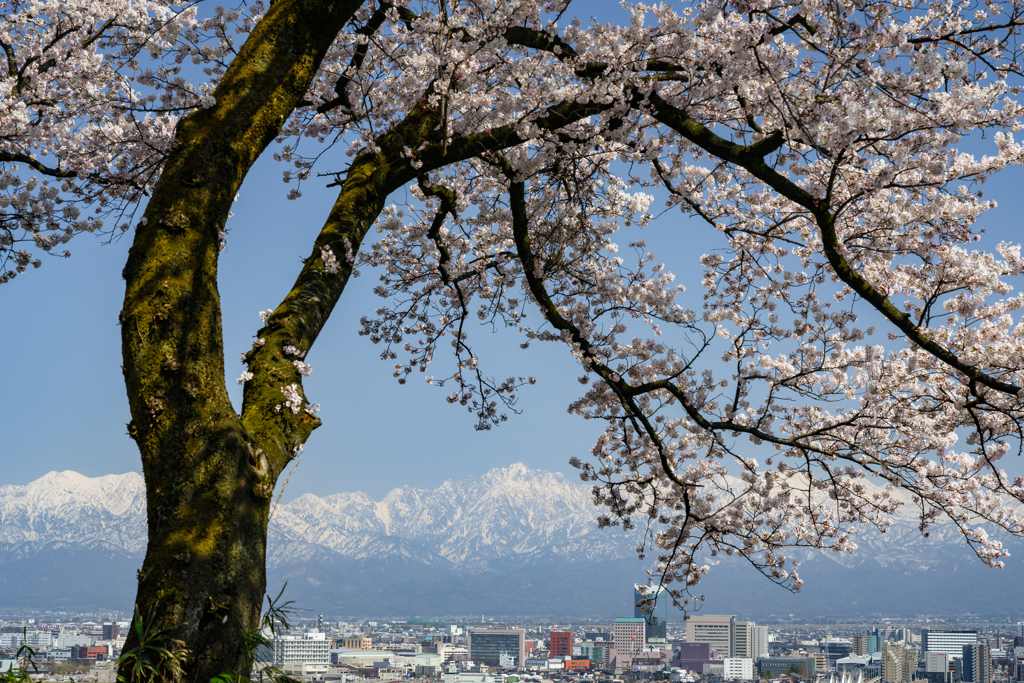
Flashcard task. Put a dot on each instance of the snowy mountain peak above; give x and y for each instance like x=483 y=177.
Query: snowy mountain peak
x=115 y=493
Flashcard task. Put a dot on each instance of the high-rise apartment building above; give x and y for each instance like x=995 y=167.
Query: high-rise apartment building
x=715 y=629
x=487 y=645
x=758 y=641
x=628 y=635
x=859 y=644
x=741 y=639
x=560 y=644
x=977 y=664
x=950 y=642
x=899 y=663
x=650 y=602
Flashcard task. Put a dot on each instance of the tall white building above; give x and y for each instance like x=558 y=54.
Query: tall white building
x=1020 y=629
x=312 y=647
x=758 y=642
x=715 y=629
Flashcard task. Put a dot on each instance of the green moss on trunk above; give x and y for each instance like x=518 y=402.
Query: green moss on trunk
x=207 y=477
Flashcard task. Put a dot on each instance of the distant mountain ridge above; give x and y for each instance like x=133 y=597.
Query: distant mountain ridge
x=511 y=512
x=513 y=541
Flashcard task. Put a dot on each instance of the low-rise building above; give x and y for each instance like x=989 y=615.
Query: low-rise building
x=774 y=667
x=738 y=669
x=354 y=643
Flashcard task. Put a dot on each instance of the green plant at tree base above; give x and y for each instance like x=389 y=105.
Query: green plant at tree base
x=261 y=640
x=157 y=657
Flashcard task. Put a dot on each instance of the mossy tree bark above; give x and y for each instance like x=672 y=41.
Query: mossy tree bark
x=208 y=479
x=209 y=470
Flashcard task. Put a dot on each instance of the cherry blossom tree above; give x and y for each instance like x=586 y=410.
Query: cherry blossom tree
x=826 y=141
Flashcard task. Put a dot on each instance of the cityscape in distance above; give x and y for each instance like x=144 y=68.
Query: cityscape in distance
x=654 y=643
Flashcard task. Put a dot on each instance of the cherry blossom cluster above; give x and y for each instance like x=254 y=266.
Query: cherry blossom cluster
x=294 y=402
x=826 y=149
x=90 y=96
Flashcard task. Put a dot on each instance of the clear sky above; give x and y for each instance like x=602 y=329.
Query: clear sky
x=63 y=399
x=64 y=402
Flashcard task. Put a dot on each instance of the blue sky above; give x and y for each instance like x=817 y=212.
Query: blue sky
x=64 y=404
x=63 y=401
x=65 y=408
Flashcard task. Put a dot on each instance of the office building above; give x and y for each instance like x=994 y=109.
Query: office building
x=650 y=603
x=98 y=652
x=936 y=667
x=977 y=664
x=596 y=653
x=949 y=642
x=936 y=662
x=876 y=641
x=486 y=645
x=560 y=644
x=628 y=635
x=867 y=644
x=835 y=649
x=715 y=629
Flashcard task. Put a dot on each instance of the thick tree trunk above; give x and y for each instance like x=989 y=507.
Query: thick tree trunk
x=208 y=480
x=209 y=471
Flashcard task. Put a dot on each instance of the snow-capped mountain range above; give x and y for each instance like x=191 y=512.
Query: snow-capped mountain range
x=508 y=512
x=511 y=512
x=513 y=541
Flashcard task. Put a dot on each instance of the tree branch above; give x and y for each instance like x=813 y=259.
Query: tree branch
x=751 y=159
